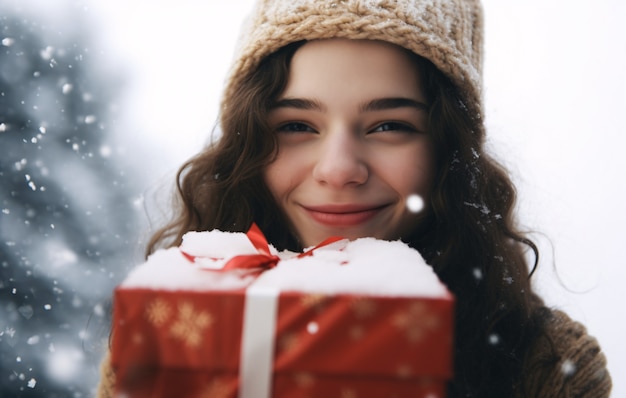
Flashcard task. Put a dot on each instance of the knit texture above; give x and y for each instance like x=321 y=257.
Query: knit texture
x=449 y=33
x=580 y=371
x=106 y=387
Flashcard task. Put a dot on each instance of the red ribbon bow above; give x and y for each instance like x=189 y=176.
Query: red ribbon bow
x=264 y=259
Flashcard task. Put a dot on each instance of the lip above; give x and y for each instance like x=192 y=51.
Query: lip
x=343 y=215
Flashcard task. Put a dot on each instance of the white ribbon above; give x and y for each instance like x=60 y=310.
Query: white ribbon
x=257 y=342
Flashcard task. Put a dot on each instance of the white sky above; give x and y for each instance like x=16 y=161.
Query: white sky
x=555 y=99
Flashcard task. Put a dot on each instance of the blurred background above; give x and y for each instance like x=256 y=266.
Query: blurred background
x=101 y=101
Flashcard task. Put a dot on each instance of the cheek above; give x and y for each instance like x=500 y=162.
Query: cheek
x=411 y=171
x=281 y=175
x=271 y=175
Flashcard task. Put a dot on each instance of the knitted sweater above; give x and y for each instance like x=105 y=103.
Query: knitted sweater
x=580 y=371
x=581 y=367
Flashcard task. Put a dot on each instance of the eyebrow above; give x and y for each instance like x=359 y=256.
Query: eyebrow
x=392 y=103
x=380 y=104
x=299 y=103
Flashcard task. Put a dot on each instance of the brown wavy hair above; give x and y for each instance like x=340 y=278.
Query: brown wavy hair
x=469 y=236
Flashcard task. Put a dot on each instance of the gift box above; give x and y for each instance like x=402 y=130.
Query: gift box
x=225 y=315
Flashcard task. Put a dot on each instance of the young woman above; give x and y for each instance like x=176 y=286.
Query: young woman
x=336 y=113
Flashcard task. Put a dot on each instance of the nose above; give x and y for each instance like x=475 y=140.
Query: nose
x=341 y=160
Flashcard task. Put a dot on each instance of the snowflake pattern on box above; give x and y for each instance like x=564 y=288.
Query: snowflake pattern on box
x=348 y=393
x=356 y=332
x=287 y=342
x=312 y=326
x=416 y=321
x=315 y=301
x=304 y=379
x=217 y=388
x=363 y=307
x=404 y=371
x=190 y=324
x=158 y=312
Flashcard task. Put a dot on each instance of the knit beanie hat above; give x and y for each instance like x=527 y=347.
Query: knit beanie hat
x=449 y=33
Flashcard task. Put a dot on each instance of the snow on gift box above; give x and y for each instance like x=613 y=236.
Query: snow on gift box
x=225 y=315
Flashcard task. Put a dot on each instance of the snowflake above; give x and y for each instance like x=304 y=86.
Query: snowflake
x=288 y=342
x=363 y=307
x=348 y=393
x=357 y=332
x=137 y=338
x=312 y=327
x=494 y=339
x=415 y=203
x=416 y=322
x=218 y=388
x=190 y=324
x=404 y=371
x=315 y=301
x=304 y=379
x=157 y=312
x=568 y=368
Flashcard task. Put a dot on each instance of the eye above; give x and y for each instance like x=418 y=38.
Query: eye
x=294 y=127
x=394 y=126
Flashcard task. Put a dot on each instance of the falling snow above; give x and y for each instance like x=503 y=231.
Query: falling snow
x=312 y=327
x=33 y=340
x=64 y=364
x=415 y=203
x=568 y=368
x=494 y=339
x=23 y=253
x=105 y=151
x=47 y=53
x=57 y=269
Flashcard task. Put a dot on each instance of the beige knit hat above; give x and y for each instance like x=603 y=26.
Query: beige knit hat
x=447 y=32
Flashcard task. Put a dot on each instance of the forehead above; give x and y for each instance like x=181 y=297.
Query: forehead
x=353 y=64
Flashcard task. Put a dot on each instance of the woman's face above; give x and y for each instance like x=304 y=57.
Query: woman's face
x=352 y=142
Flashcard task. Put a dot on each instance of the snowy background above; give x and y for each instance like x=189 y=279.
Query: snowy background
x=101 y=101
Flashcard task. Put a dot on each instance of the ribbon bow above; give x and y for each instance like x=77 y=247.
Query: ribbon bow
x=264 y=259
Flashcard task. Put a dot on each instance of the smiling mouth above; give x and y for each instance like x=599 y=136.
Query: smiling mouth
x=343 y=215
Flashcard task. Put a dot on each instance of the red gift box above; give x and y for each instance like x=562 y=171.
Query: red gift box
x=200 y=333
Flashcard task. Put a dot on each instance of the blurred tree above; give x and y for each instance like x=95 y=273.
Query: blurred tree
x=67 y=219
